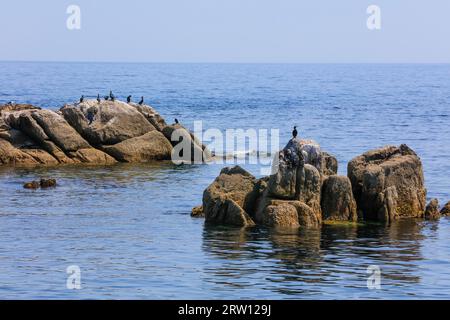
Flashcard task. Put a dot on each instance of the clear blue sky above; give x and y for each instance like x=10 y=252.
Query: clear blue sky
x=226 y=31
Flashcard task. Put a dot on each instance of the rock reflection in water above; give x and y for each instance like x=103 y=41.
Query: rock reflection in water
x=309 y=260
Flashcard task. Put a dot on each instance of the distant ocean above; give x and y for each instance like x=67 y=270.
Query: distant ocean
x=128 y=226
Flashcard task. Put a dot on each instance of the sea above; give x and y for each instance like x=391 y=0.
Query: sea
x=125 y=231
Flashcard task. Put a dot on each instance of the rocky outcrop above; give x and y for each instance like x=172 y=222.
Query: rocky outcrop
x=432 y=210
x=388 y=183
x=338 y=203
x=384 y=185
x=90 y=132
x=290 y=198
x=445 y=211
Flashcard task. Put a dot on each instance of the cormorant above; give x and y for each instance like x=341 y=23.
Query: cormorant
x=142 y=101
x=98 y=98
x=294 y=132
x=81 y=99
x=111 y=95
x=90 y=117
x=129 y=99
x=176 y=121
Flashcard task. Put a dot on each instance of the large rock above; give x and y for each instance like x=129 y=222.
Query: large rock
x=225 y=201
x=113 y=121
x=445 y=211
x=389 y=179
x=150 y=146
x=432 y=210
x=337 y=199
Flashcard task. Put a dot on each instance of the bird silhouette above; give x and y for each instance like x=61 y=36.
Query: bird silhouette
x=98 y=98
x=129 y=99
x=142 y=101
x=294 y=132
x=111 y=95
x=81 y=99
x=176 y=121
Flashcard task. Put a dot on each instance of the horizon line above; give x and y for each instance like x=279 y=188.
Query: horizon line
x=214 y=62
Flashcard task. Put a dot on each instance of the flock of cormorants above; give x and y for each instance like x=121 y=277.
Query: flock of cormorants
x=112 y=97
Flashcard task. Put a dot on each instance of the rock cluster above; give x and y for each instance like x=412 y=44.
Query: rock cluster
x=90 y=132
x=384 y=185
x=43 y=183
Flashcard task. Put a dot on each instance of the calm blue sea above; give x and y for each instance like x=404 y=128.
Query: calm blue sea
x=128 y=227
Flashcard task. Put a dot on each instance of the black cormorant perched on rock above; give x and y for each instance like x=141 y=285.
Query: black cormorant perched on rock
x=294 y=132
x=142 y=101
x=81 y=99
x=129 y=99
x=106 y=98
x=98 y=98
x=111 y=95
x=90 y=116
x=176 y=121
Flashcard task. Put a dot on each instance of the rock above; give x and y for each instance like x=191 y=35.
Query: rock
x=283 y=215
x=388 y=208
x=432 y=210
x=280 y=213
x=59 y=131
x=446 y=209
x=372 y=173
x=337 y=200
x=228 y=212
x=329 y=165
x=114 y=121
x=151 y=115
x=197 y=212
x=187 y=148
x=32 y=136
x=47 y=183
x=150 y=146
x=31 y=185
x=9 y=155
x=238 y=186
x=309 y=188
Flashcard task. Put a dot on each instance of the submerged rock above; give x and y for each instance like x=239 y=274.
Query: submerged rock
x=446 y=209
x=32 y=185
x=432 y=210
x=197 y=212
x=388 y=183
x=47 y=183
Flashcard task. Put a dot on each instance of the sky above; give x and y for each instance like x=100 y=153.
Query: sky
x=266 y=31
